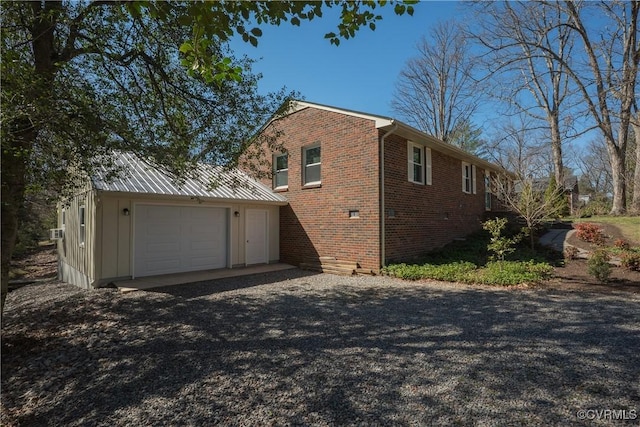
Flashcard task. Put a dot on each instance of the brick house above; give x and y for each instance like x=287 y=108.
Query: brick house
x=370 y=189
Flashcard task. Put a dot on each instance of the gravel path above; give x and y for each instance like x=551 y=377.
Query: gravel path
x=295 y=348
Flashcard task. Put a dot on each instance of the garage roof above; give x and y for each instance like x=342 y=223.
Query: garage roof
x=136 y=175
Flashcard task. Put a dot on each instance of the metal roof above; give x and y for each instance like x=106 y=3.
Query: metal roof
x=136 y=175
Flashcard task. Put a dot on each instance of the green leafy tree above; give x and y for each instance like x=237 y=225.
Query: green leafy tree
x=468 y=137
x=81 y=79
x=556 y=199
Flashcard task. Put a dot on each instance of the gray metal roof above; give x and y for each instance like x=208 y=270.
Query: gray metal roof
x=139 y=176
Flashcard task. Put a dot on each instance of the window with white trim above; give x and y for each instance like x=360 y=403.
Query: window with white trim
x=418 y=163
x=487 y=190
x=468 y=178
x=82 y=224
x=63 y=218
x=311 y=162
x=280 y=171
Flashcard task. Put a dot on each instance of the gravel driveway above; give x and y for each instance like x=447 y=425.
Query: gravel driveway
x=295 y=348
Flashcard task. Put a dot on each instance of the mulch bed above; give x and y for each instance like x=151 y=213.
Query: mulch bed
x=574 y=276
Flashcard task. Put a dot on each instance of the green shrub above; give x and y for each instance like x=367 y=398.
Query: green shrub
x=630 y=260
x=595 y=208
x=473 y=249
x=499 y=244
x=494 y=273
x=451 y=272
x=404 y=271
x=598 y=265
x=513 y=272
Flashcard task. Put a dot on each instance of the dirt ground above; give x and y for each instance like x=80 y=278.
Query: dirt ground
x=42 y=264
x=574 y=276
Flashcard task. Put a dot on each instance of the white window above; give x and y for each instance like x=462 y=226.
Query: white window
x=419 y=163
x=82 y=223
x=468 y=178
x=63 y=218
x=487 y=190
x=311 y=165
x=280 y=171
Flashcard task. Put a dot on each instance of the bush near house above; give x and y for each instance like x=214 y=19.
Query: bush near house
x=469 y=262
x=504 y=273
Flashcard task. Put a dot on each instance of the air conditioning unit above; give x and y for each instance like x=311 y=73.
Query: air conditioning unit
x=56 y=233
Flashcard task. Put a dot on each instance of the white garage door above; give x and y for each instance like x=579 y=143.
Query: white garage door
x=173 y=239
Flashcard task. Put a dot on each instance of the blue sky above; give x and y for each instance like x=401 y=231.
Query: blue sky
x=361 y=73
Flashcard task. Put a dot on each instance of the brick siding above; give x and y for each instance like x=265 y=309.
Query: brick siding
x=316 y=222
x=427 y=216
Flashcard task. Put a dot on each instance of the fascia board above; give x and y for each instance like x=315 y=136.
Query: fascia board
x=434 y=143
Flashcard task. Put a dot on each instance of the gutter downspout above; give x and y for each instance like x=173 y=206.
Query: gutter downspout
x=382 y=206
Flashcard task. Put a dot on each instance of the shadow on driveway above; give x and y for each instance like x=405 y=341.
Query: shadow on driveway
x=292 y=348
x=210 y=287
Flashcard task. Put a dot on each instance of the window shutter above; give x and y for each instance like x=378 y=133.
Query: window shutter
x=464 y=177
x=427 y=159
x=409 y=161
x=473 y=178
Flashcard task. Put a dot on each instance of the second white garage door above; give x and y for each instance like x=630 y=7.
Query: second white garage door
x=173 y=239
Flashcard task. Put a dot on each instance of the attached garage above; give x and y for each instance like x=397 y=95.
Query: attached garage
x=144 y=224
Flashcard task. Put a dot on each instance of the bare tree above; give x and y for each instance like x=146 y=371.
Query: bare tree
x=605 y=74
x=635 y=200
x=435 y=91
x=528 y=201
x=594 y=167
x=608 y=82
x=516 y=37
x=518 y=147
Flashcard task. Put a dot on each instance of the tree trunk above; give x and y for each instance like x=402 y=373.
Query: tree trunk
x=617 y=159
x=635 y=202
x=13 y=185
x=17 y=147
x=556 y=149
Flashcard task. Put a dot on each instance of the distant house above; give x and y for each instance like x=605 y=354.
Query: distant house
x=569 y=188
x=584 y=199
x=144 y=224
x=370 y=189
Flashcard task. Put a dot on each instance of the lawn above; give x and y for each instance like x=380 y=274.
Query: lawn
x=629 y=226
